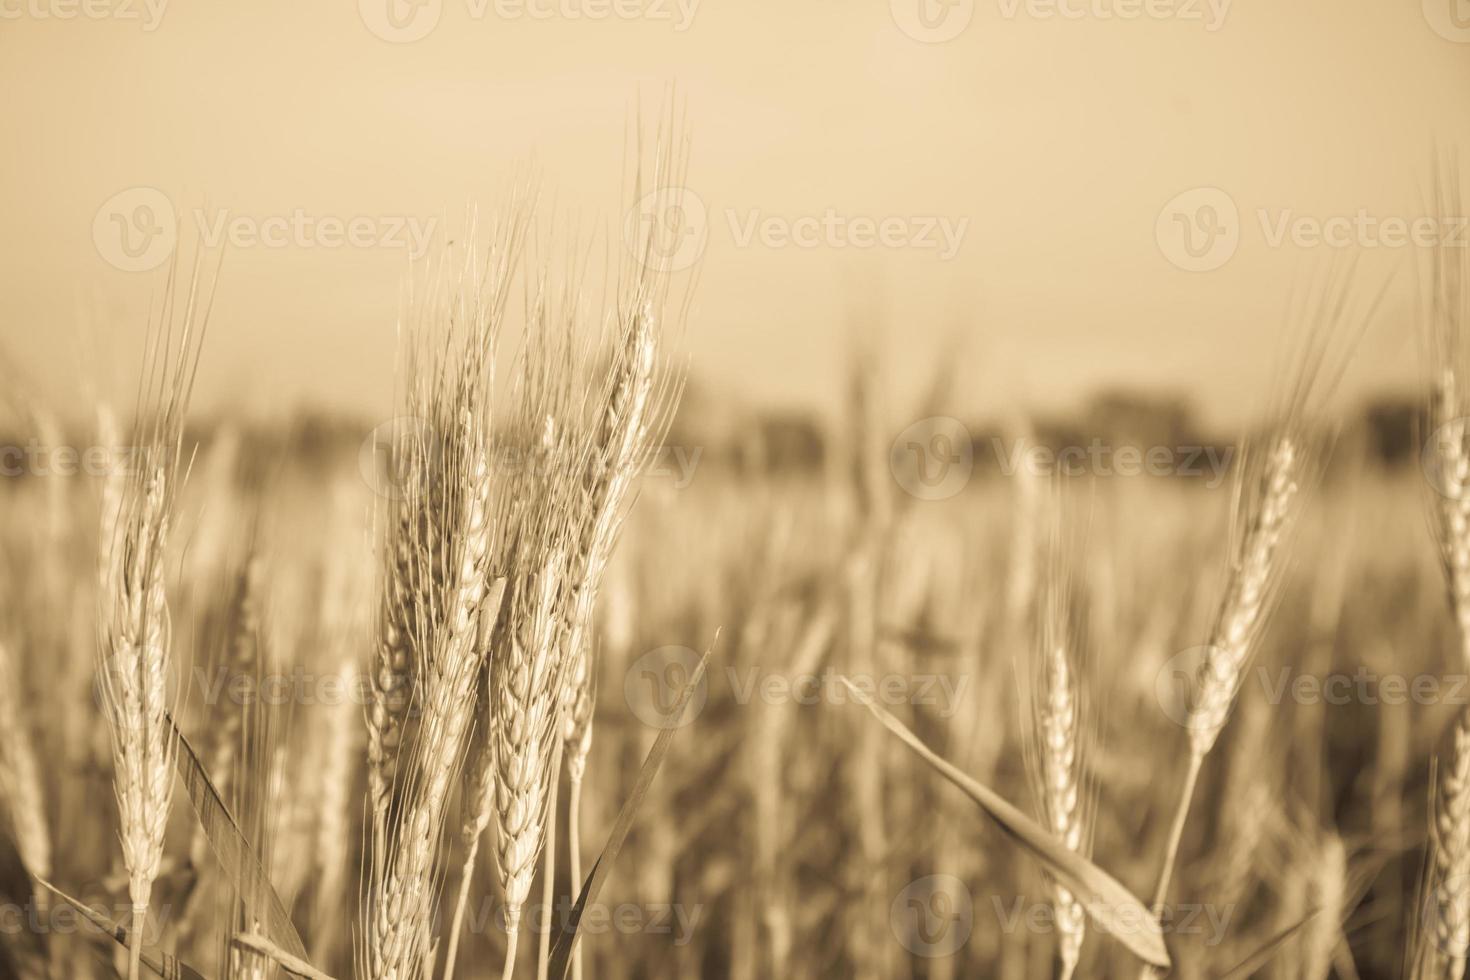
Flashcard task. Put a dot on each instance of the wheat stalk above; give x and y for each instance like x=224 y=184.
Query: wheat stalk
x=1251 y=581
x=20 y=780
x=1329 y=890
x=510 y=772
x=1269 y=506
x=526 y=680
x=622 y=444
x=393 y=653
x=1453 y=503
x=1062 y=797
x=134 y=646
x=1450 y=849
x=331 y=849
x=448 y=363
x=439 y=586
x=1060 y=734
x=405 y=895
x=136 y=696
x=477 y=796
x=625 y=437
x=1237 y=626
x=631 y=418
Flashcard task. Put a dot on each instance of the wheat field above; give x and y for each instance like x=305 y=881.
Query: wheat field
x=350 y=700
x=758 y=490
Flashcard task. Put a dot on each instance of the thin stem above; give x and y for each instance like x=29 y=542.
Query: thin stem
x=574 y=857
x=548 y=869
x=464 y=895
x=42 y=902
x=135 y=941
x=1176 y=829
x=1176 y=833
x=512 y=939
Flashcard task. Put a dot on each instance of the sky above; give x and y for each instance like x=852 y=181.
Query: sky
x=1086 y=193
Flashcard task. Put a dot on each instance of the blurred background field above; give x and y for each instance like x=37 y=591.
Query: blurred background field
x=787 y=835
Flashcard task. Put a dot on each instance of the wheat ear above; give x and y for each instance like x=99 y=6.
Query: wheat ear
x=1445 y=314
x=1452 y=506
x=406 y=889
x=1059 y=736
x=437 y=591
x=1237 y=627
x=477 y=795
x=1062 y=795
x=526 y=684
x=631 y=421
x=1250 y=586
x=134 y=616
x=1450 y=850
x=392 y=666
x=136 y=699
